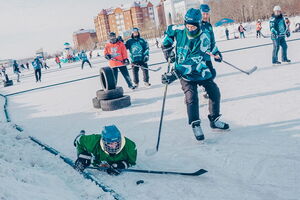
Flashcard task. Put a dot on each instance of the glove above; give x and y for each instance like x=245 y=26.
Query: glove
x=288 y=34
x=126 y=61
x=108 y=56
x=169 y=77
x=169 y=54
x=220 y=55
x=115 y=168
x=82 y=162
x=146 y=58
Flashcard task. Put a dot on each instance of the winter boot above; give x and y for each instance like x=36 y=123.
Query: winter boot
x=215 y=123
x=147 y=84
x=287 y=61
x=196 y=125
x=276 y=63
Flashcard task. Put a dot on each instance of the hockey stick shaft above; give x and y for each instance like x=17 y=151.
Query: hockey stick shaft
x=162 y=111
x=196 y=173
x=246 y=72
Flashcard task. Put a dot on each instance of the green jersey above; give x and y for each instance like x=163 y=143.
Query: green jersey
x=207 y=27
x=92 y=145
x=138 y=49
x=191 y=52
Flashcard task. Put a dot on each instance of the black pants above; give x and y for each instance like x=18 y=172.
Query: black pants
x=276 y=45
x=192 y=101
x=84 y=61
x=258 y=33
x=38 y=74
x=135 y=71
x=125 y=73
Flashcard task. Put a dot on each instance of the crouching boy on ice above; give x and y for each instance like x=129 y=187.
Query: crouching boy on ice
x=108 y=149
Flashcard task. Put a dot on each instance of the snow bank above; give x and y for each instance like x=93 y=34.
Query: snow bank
x=27 y=172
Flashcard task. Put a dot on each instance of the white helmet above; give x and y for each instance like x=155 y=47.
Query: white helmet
x=276 y=8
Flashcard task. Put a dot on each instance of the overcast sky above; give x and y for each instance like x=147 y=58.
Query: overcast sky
x=27 y=25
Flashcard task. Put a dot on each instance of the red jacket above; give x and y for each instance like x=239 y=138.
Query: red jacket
x=117 y=51
x=57 y=60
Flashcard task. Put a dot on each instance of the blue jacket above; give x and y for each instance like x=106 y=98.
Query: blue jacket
x=37 y=64
x=83 y=57
x=278 y=27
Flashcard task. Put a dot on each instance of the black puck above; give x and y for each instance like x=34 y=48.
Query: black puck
x=139 y=182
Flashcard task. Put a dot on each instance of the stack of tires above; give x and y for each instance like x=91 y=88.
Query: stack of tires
x=110 y=97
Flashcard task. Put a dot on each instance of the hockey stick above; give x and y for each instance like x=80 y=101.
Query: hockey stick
x=246 y=72
x=153 y=70
x=140 y=66
x=196 y=173
x=153 y=151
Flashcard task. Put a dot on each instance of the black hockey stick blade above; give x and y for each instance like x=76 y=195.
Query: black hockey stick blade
x=252 y=70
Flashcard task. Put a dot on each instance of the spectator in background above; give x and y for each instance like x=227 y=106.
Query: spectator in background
x=91 y=54
x=57 y=60
x=16 y=70
x=27 y=65
x=45 y=65
x=84 y=59
x=241 y=30
x=288 y=24
x=37 y=65
x=227 y=33
x=258 y=29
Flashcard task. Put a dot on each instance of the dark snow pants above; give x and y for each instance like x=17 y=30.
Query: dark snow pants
x=84 y=61
x=124 y=72
x=38 y=74
x=190 y=89
x=135 y=71
x=276 y=45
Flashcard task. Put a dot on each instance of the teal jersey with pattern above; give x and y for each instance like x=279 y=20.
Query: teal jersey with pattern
x=278 y=27
x=138 y=49
x=190 y=52
x=207 y=27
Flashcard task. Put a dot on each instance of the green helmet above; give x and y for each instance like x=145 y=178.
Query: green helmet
x=193 y=17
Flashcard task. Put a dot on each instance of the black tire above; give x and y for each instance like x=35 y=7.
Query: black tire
x=110 y=94
x=107 y=78
x=115 y=104
x=96 y=103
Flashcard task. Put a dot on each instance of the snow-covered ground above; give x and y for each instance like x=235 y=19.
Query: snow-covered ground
x=258 y=159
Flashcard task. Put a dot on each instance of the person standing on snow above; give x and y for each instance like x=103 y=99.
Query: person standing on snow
x=192 y=46
x=279 y=30
x=84 y=59
x=37 y=65
x=109 y=149
x=258 y=29
x=57 y=60
x=115 y=52
x=241 y=30
x=27 y=65
x=16 y=70
x=139 y=54
x=227 y=33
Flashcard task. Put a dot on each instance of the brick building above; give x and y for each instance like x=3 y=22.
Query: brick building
x=85 y=39
x=161 y=15
x=122 y=19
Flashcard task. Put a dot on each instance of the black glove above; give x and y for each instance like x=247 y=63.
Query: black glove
x=218 y=53
x=82 y=162
x=288 y=34
x=108 y=56
x=126 y=61
x=146 y=58
x=115 y=168
x=169 y=54
x=169 y=77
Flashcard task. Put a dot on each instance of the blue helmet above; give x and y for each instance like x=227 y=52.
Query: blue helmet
x=193 y=16
x=111 y=134
x=204 y=8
